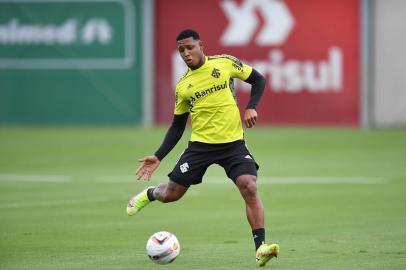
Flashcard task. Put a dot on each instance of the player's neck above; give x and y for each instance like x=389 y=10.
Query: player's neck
x=201 y=62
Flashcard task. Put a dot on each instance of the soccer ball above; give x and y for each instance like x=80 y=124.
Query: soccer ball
x=163 y=247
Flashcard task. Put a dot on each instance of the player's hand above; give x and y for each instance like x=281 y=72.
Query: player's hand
x=147 y=167
x=250 y=118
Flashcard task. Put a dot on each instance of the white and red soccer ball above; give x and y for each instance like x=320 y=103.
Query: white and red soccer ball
x=163 y=247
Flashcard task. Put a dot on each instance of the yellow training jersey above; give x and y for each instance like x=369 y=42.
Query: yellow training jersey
x=208 y=94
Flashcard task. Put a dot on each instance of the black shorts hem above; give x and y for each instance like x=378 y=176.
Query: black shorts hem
x=182 y=182
x=248 y=168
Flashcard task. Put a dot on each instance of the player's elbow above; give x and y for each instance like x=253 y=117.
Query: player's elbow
x=256 y=78
x=262 y=81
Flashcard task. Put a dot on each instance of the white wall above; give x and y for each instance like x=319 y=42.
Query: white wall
x=389 y=98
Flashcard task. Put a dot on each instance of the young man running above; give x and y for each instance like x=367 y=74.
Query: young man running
x=206 y=92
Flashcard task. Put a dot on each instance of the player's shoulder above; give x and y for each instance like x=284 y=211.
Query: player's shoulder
x=226 y=58
x=183 y=77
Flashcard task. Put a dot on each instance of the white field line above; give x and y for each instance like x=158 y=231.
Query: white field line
x=308 y=180
x=273 y=180
x=34 y=178
x=50 y=203
x=122 y=178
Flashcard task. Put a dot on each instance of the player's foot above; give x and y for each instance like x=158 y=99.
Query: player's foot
x=139 y=201
x=266 y=252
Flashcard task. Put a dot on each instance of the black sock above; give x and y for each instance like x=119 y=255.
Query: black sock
x=259 y=237
x=150 y=194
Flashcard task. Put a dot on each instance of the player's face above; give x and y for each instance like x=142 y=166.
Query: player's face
x=191 y=52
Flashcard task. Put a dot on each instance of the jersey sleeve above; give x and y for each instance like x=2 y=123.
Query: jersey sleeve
x=181 y=105
x=238 y=69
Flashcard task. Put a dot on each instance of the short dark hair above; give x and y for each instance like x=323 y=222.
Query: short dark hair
x=188 y=33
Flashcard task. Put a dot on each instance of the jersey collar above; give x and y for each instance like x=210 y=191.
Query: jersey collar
x=205 y=63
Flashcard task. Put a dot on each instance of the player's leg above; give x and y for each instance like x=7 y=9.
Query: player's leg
x=165 y=192
x=246 y=183
x=255 y=212
x=245 y=180
x=188 y=171
x=241 y=167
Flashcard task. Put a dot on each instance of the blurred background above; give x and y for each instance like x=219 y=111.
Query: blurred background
x=336 y=63
x=87 y=88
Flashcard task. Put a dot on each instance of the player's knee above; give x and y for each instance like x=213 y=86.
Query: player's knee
x=251 y=189
x=168 y=197
x=248 y=185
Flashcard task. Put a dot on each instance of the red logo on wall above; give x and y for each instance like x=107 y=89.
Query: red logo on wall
x=307 y=50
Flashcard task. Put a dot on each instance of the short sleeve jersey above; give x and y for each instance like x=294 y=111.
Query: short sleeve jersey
x=208 y=94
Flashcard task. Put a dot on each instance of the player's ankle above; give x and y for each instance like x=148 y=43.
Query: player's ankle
x=150 y=194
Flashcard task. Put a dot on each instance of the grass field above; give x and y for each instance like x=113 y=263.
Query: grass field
x=334 y=199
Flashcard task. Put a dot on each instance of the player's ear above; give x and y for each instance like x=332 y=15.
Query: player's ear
x=201 y=45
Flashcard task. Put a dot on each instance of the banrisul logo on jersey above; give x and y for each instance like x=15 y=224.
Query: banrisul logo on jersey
x=307 y=50
x=66 y=34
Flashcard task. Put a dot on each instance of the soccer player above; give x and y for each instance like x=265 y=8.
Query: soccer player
x=206 y=92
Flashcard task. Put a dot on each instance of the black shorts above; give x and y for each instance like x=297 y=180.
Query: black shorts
x=234 y=157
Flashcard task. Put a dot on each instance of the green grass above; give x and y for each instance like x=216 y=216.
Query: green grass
x=81 y=223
